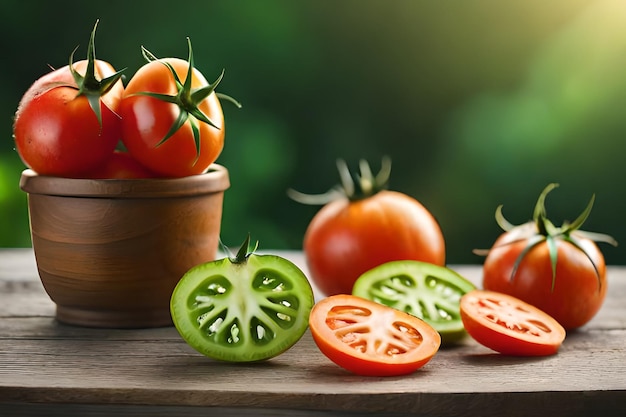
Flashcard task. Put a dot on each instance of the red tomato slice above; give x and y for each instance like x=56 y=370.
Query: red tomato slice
x=509 y=325
x=371 y=339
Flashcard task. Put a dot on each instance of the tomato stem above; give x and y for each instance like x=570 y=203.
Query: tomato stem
x=243 y=252
x=547 y=232
x=357 y=187
x=89 y=85
x=187 y=98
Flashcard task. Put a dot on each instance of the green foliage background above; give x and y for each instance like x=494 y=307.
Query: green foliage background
x=477 y=102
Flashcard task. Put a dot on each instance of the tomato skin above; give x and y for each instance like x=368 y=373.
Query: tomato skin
x=578 y=290
x=57 y=133
x=347 y=238
x=509 y=325
x=147 y=120
x=121 y=165
x=375 y=326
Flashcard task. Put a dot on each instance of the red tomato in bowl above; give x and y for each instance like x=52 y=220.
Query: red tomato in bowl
x=157 y=96
x=121 y=166
x=560 y=270
x=371 y=339
x=358 y=231
x=58 y=131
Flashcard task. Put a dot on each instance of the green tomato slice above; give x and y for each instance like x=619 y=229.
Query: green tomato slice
x=244 y=311
x=427 y=291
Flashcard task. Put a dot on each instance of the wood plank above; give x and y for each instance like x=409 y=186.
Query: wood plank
x=92 y=410
x=59 y=363
x=557 y=404
x=17 y=265
x=19 y=278
x=47 y=368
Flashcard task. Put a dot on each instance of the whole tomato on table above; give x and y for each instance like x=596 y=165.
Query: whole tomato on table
x=68 y=121
x=172 y=120
x=363 y=225
x=560 y=270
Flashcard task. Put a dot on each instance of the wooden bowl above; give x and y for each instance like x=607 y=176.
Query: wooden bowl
x=110 y=252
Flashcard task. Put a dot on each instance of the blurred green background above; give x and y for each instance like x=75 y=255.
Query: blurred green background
x=478 y=103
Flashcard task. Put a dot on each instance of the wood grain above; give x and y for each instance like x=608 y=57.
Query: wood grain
x=48 y=368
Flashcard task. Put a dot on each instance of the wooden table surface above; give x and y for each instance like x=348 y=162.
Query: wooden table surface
x=47 y=368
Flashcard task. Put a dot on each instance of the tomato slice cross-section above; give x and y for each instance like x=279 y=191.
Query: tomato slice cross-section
x=368 y=338
x=428 y=291
x=244 y=309
x=509 y=325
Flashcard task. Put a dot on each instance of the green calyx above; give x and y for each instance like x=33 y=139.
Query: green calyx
x=89 y=85
x=187 y=98
x=243 y=253
x=549 y=233
x=354 y=188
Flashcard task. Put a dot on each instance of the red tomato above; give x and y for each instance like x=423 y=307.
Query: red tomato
x=355 y=233
x=148 y=119
x=121 y=166
x=559 y=270
x=509 y=325
x=57 y=132
x=368 y=338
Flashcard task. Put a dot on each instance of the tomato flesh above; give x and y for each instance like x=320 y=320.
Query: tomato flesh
x=371 y=339
x=509 y=325
x=430 y=292
x=242 y=312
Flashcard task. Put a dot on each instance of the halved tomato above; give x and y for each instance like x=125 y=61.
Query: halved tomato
x=428 y=291
x=509 y=325
x=243 y=308
x=368 y=338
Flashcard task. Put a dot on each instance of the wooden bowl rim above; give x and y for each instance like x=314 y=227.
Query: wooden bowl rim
x=215 y=180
